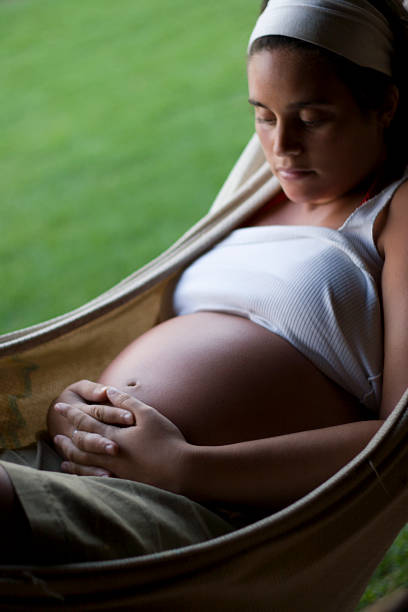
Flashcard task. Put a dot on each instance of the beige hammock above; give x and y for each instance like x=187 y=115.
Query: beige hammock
x=317 y=554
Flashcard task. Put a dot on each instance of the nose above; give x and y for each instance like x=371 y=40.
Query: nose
x=286 y=139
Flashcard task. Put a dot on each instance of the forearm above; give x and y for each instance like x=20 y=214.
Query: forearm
x=273 y=472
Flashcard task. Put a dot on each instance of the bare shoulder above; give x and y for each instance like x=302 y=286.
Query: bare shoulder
x=400 y=197
x=395 y=222
x=394 y=285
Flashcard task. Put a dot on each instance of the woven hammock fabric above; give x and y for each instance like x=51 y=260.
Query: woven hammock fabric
x=317 y=554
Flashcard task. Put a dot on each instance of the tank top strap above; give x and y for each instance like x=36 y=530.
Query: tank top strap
x=359 y=226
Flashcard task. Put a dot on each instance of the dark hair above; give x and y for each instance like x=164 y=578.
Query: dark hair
x=369 y=87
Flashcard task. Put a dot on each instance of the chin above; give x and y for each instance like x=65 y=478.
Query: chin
x=302 y=195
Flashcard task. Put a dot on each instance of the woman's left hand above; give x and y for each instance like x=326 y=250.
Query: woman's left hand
x=151 y=451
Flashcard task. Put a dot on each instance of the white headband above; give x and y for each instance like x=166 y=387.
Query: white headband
x=351 y=28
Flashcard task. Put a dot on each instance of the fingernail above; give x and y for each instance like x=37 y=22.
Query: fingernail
x=100 y=390
x=128 y=417
x=60 y=407
x=109 y=448
x=57 y=439
x=113 y=391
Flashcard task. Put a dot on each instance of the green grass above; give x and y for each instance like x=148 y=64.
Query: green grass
x=391 y=573
x=119 y=122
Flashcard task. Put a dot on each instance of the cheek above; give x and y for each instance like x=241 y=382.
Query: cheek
x=343 y=145
x=355 y=150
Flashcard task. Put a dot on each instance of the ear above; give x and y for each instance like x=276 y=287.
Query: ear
x=389 y=107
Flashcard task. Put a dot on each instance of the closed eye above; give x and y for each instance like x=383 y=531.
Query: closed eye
x=270 y=121
x=312 y=123
x=311 y=118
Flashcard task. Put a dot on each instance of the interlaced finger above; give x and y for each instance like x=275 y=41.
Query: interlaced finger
x=111 y=415
x=84 y=470
x=93 y=443
x=74 y=455
x=127 y=402
x=88 y=390
x=82 y=391
x=81 y=420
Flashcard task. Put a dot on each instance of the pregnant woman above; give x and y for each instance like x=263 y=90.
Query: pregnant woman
x=288 y=345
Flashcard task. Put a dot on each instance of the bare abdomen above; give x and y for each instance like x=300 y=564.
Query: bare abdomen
x=223 y=379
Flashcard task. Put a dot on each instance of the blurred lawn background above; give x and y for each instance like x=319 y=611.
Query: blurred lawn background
x=119 y=122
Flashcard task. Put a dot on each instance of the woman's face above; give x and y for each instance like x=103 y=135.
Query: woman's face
x=318 y=142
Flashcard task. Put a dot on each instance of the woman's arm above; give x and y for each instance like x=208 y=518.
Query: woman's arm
x=273 y=472
x=394 y=241
x=266 y=473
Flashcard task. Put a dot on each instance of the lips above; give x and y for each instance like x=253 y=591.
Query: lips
x=293 y=174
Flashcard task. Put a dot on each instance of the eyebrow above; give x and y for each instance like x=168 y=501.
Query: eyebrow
x=295 y=105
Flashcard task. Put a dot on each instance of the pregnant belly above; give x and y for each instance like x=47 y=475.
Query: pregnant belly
x=223 y=379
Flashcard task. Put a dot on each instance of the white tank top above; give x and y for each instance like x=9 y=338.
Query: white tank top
x=314 y=286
